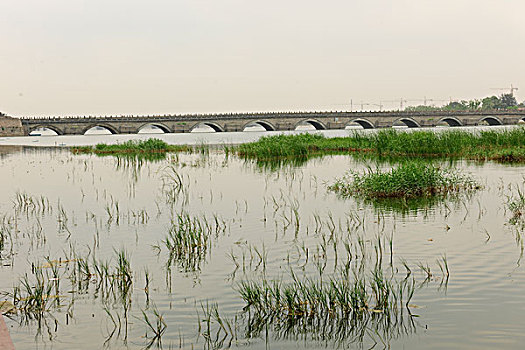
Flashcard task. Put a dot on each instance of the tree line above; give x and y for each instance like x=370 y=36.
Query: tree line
x=502 y=102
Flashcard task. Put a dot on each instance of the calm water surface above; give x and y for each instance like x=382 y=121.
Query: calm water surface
x=263 y=222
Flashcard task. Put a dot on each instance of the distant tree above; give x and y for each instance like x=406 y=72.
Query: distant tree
x=508 y=101
x=474 y=104
x=421 y=108
x=456 y=106
x=505 y=101
x=490 y=103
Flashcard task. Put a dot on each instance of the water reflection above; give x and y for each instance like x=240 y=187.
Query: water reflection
x=8 y=150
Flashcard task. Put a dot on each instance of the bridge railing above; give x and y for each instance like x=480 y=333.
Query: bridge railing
x=294 y=114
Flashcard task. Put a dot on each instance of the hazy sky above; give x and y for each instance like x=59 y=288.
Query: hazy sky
x=178 y=56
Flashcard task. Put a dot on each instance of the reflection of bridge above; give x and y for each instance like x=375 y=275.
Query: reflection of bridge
x=273 y=121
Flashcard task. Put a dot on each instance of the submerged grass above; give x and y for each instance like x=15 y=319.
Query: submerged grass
x=341 y=295
x=408 y=180
x=516 y=204
x=345 y=307
x=189 y=240
x=156 y=326
x=505 y=146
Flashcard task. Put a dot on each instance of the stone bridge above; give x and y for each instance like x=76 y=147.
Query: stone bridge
x=272 y=121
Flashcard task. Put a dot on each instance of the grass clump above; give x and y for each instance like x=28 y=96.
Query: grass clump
x=408 y=180
x=281 y=146
x=189 y=240
x=342 y=307
x=148 y=146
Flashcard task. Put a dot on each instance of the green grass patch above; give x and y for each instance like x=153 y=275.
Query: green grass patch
x=148 y=146
x=408 y=180
x=505 y=146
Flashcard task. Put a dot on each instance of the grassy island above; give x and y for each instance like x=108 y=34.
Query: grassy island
x=505 y=146
x=132 y=147
x=409 y=180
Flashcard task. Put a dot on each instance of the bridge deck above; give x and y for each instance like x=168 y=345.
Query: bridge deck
x=273 y=121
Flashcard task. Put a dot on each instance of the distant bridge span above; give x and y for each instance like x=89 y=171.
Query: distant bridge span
x=272 y=121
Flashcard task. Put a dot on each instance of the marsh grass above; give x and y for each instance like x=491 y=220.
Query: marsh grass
x=189 y=239
x=218 y=331
x=6 y=237
x=44 y=289
x=505 y=146
x=345 y=307
x=408 y=180
x=133 y=147
x=155 y=327
x=174 y=185
x=344 y=294
x=516 y=205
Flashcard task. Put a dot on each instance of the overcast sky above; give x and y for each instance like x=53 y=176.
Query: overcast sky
x=80 y=57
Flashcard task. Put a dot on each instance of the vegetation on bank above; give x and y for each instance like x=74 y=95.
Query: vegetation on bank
x=408 y=180
x=132 y=147
x=502 y=102
x=506 y=145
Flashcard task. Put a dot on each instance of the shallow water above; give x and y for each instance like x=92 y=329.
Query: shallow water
x=199 y=136
x=102 y=204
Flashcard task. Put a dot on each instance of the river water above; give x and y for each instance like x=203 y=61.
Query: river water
x=264 y=221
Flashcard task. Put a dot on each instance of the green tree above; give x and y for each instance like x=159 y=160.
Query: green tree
x=421 y=108
x=456 y=106
x=474 y=104
x=508 y=101
x=490 y=103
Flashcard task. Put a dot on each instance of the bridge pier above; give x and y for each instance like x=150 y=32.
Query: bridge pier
x=10 y=126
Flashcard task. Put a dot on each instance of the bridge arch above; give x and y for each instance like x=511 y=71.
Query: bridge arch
x=365 y=123
x=411 y=123
x=313 y=122
x=214 y=126
x=50 y=127
x=451 y=121
x=265 y=124
x=161 y=126
x=108 y=127
x=491 y=120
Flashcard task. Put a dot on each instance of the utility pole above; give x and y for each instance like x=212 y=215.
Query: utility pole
x=363 y=104
x=401 y=100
